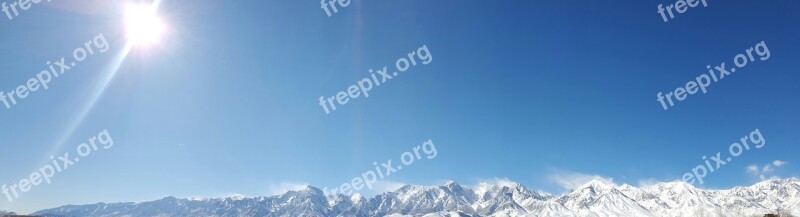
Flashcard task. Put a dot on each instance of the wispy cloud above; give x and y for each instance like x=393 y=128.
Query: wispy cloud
x=224 y=195
x=648 y=182
x=283 y=187
x=753 y=169
x=502 y=182
x=779 y=163
x=572 y=180
x=767 y=171
x=386 y=186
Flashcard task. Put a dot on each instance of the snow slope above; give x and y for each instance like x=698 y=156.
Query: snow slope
x=596 y=198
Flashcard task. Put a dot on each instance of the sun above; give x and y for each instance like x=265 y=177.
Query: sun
x=142 y=25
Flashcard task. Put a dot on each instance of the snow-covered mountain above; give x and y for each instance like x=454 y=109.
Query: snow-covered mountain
x=597 y=198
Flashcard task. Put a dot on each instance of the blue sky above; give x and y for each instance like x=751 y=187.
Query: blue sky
x=532 y=91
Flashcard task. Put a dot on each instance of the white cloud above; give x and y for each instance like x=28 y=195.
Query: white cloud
x=572 y=180
x=767 y=170
x=234 y=195
x=774 y=177
x=276 y=189
x=382 y=186
x=753 y=169
x=648 y=182
x=764 y=178
x=502 y=182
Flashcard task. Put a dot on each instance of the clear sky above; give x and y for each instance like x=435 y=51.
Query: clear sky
x=532 y=91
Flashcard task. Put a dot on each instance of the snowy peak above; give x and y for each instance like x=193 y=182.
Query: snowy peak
x=595 y=198
x=627 y=187
x=673 y=187
x=598 y=185
x=601 y=198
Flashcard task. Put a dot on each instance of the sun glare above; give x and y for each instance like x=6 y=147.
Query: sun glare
x=142 y=24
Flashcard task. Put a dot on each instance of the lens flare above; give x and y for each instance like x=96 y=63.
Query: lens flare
x=142 y=24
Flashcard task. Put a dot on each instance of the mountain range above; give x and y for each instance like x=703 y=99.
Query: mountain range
x=597 y=198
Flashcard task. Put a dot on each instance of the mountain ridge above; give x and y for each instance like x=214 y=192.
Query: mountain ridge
x=596 y=198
